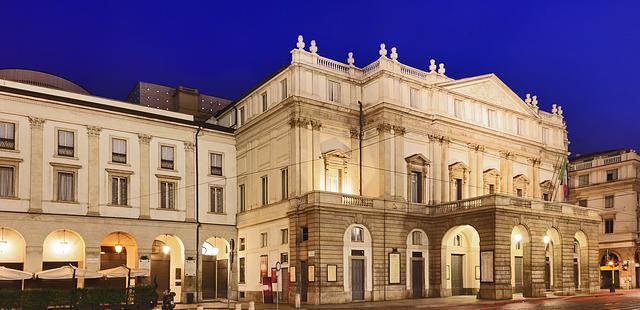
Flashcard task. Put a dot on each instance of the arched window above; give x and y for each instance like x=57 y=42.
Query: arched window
x=457 y=241
x=416 y=238
x=357 y=234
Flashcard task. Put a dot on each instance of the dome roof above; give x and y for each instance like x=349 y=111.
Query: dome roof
x=42 y=79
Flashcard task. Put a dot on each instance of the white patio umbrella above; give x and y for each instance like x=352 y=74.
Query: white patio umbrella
x=8 y=274
x=67 y=272
x=123 y=272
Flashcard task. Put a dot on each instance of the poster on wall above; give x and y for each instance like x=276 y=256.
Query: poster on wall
x=190 y=268
x=292 y=274
x=144 y=263
x=312 y=273
x=486 y=267
x=332 y=273
x=394 y=268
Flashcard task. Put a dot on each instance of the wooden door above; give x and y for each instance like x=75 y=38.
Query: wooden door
x=357 y=279
x=457 y=274
x=304 y=281
x=518 y=273
x=417 y=277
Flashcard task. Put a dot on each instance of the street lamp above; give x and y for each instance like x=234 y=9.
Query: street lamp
x=613 y=278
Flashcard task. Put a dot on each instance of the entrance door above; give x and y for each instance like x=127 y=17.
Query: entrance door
x=576 y=276
x=304 y=281
x=160 y=265
x=222 y=279
x=547 y=274
x=357 y=279
x=284 y=294
x=457 y=284
x=208 y=277
x=518 y=273
x=417 y=277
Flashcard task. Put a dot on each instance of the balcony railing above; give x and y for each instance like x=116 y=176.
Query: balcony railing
x=7 y=144
x=65 y=150
x=612 y=160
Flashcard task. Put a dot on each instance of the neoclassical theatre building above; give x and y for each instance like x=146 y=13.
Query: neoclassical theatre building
x=386 y=182
x=336 y=183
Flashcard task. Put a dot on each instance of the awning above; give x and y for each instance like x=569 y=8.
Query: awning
x=8 y=274
x=67 y=272
x=123 y=272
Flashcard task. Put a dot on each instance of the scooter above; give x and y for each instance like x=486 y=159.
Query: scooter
x=167 y=300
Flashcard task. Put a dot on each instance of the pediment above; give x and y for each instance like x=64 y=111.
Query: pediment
x=491 y=89
x=418 y=159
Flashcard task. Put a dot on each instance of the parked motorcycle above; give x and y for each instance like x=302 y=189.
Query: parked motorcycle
x=168 y=302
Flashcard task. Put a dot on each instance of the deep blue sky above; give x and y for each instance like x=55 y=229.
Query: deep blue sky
x=580 y=54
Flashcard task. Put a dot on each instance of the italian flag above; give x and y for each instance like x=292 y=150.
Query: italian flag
x=564 y=180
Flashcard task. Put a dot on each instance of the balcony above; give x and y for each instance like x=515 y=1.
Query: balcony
x=602 y=161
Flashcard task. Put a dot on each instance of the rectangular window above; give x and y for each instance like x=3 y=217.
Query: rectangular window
x=545 y=135
x=608 y=201
x=333 y=89
x=458 y=108
x=264 y=239
x=284 y=233
x=66 y=143
x=612 y=175
x=416 y=187
x=491 y=118
x=283 y=89
x=608 y=226
x=265 y=189
x=216 y=164
x=305 y=233
x=242 y=268
x=583 y=180
x=166 y=157
x=167 y=195
x=334 y=180
x=119 y=190
x=284 y=257
x=265 y=103
x=520 y=126
x=519 y=192
x=241 y=192
x=582 y=203
x=242 y=245
x=217 y=200
x=119 y=150
x=492 y=189
x=413 y=97
x=242 y=116
x=66 y=186
x=545 y=197
x=7 y=136
x=285 y=183
x=7 y=181
x=416 y=238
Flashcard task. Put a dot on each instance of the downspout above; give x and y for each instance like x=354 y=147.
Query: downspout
x=360 y=137
x=198 y=290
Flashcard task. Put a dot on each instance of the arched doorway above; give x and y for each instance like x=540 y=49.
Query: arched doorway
x=417 y=263
x=356 y=253
x=12 y=254
x=62 y=247
x=553 y=258
x=581 y=261
x=118 y=249
x=609 y=270
x=461 y=260
x=520 y=251
x=167 y=264
x=215 y=268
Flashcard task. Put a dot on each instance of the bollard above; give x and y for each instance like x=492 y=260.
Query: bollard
x=252 y=305
x=238 y=306
x=297 y=300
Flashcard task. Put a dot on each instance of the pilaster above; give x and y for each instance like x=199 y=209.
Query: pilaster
x=190 y=181
x=93 y=133
x=400 y=165
x=36 y=168
x=435 y=182
x=385 y=160
x=444 y=177
x=143 y=141
x=318 y=164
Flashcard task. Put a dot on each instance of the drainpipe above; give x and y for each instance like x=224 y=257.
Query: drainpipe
x=198 y=290
x=360 y=137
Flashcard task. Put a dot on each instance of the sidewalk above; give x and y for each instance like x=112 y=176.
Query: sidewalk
x=422 y=303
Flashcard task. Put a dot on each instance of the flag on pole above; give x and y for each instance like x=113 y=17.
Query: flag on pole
x=563 y=177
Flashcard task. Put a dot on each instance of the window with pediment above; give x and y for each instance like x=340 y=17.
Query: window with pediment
x=418 y=169
x=335 y=170
x=491 y=181
x=546 y=189
x=458 y=176
x=520 y=185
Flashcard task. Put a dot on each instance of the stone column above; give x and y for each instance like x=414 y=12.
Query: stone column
x=400 y=164
x=435 y=181
x=143 y=141
x=535 y=177
x=355 y=162
x=446 y=183
x=480 y=174
x=506 y=183
x=497 y=238
x=385 y=160
x=510 y=175
x=93 y=133
x=474 y=170
x=318 y=164
x=33 y=258
x=35 y=177
x=534 y=263
x=306 y=155
x=190 y=181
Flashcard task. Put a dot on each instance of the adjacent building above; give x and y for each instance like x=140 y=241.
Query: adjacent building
x=100 y=183
x=610 y=182
x=386 y=181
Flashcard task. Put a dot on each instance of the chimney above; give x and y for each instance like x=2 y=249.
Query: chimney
x=186 y=100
